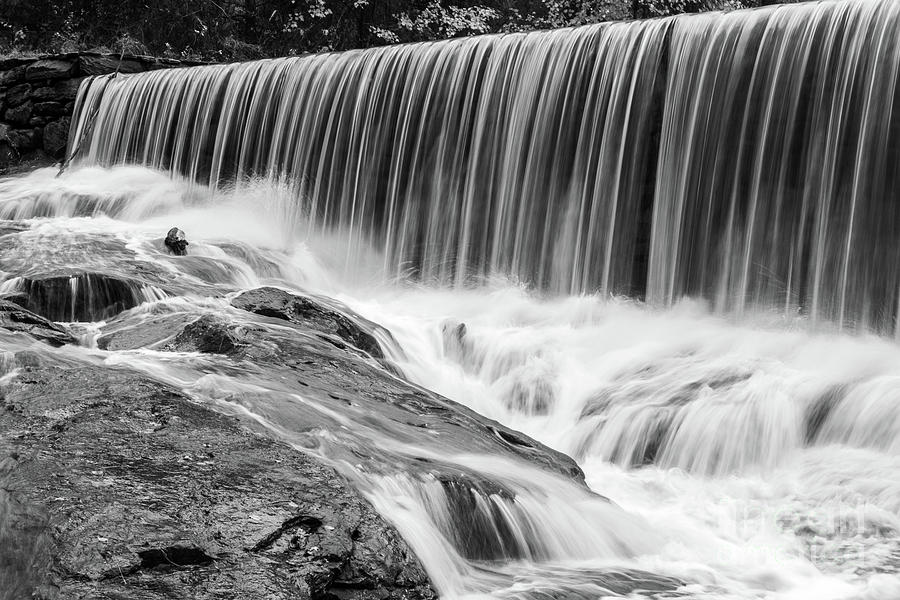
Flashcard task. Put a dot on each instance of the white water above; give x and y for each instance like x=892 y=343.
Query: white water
x=732 y=494
x=737 y=501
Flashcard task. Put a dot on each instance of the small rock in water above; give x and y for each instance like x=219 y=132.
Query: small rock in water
x=454 y=336
x=176 y=242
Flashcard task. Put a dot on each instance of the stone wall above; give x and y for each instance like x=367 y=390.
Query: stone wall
x=37 y=97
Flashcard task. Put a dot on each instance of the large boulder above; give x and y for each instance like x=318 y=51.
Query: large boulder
x=306 y=360
x=117 y=486
x=295 y=377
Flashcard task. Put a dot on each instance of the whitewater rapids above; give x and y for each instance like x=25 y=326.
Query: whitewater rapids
x=752 y=457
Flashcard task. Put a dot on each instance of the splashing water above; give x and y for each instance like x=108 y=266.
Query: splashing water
x=763 y=453
x=744 y=157
x=752 y=457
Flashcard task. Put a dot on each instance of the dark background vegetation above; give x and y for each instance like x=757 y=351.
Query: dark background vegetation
x=245 y=29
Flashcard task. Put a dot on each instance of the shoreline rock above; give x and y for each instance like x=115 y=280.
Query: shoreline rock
x=143 y=494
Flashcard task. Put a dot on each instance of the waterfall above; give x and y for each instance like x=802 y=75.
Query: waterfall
x=746 y=157
x=640 y=179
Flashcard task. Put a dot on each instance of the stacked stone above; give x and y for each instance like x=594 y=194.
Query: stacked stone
x=37 y=97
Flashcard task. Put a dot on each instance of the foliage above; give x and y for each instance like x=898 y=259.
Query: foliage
x=245 y=29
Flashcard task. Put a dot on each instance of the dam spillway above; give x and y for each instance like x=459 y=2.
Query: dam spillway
x=746 y=158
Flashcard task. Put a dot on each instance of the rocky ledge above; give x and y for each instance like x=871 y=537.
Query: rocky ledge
x=116 y=484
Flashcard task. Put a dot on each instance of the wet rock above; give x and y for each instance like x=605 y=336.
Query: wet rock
x=652 y=383
x=13 y=161
x=617 y=583
x=528 y=389
x=154 y=497
x=303 y=360
x=49 y=69
x=103 y=65
x=12 y=76
x=176 y=242
x=818 y=410
x=304 y=310
x=177 y=555
x=8 y=156
x=479 y=528
x=78 y=296
x=25 y=549
x=262 y=262
x=56 y=136
x=15 y=318
x=12 y=227
x=18 y=94
x=209 y=334
x=49 y=109
x=19 y=115
x=654 y=395
x=306 y=361
x=22 y=140
x=30 y=358
x=335 y=381
x=128 y=333
x=453 y=335
x=61 y=91
x=92 y=276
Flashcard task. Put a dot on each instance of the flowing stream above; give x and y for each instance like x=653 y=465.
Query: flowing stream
x=669 y=249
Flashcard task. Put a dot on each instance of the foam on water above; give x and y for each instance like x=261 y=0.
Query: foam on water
x=773 y=470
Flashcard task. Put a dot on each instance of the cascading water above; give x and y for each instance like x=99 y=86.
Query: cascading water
x=737 y=162
x=745 y=157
